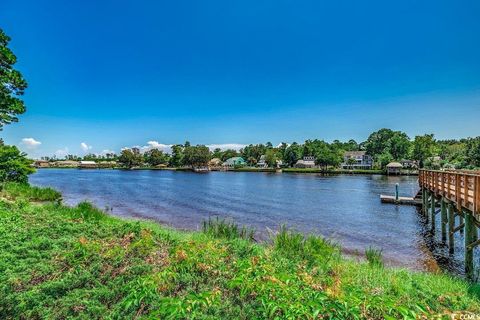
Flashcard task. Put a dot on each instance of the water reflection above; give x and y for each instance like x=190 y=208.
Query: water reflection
x=346 y=208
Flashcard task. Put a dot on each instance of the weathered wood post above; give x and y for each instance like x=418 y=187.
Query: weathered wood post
x=444 y=220
x=427 y=205
x=469 y=229
x=432 y=212
x=451 y=228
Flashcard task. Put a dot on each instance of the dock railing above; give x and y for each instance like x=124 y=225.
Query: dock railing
x=462 y=188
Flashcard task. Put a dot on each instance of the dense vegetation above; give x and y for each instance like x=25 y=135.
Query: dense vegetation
x=14 y=166
x=384 y=146
x=61 y=262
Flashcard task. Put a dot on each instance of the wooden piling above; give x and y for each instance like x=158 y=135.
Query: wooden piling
x=444 y=220
x=451 y=227
x=461 y=219
x=469 y=230
x=432 y=212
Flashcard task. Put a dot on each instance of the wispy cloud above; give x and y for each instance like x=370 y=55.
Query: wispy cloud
x=152 y=145
x=85 y=147
x=168 y=147
x=30 y=143
x=105 y=151
x=225 y=146
x=60 y=153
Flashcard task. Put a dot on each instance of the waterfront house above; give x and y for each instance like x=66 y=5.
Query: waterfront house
x=66 y=164
x=306 y=162
x=262 y=163
x=409 y=164
x=234 y=162
x=357 y=160
x=215 y=162
x=87 y=164
x=394 y=168
x=107 y=164
x=41 y=164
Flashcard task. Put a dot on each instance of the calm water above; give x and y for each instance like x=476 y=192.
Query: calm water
x=346 y=208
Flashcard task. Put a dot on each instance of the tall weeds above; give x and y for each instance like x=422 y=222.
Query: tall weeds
x=222 y=228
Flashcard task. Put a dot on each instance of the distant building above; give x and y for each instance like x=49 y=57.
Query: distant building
x=87 y=164
x=215 y=162
x=306 y=162
x=106 y=164
x=394 y=168
x=41 y=164
x=262 y=163
x=409 y=164
x=66 y=164
x=361 y=160
x=235 y=161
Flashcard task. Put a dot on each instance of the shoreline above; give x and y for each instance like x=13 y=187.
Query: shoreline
x=107 y=261
x=253 y=170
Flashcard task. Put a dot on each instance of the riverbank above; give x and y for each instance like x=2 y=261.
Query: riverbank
x=253 y=169
x=59 y=262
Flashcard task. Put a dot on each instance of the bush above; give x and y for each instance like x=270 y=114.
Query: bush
x=15 y=190
x=14 y=165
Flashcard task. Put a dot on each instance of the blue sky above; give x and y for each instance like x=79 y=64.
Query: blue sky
x=111 y=74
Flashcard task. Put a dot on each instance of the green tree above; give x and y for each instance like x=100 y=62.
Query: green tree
x=196 y=155
x=155 y=157
x=398 y=145
x=423 y=148
x=12 y=84
x=130 y=159
x=292 y=154
x=271 y=157
x=378 y=141
x=472 y=151
x=14 y=165
x=176 y=160
x=229 y=153
x=351 y=161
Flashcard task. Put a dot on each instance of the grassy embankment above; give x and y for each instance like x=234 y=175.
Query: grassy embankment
x=61 y=262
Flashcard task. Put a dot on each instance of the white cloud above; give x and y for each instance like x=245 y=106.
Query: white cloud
x=60 y=153
x=225 y=146
x=152 y=145
x=156 y=145
x=168 y=147
x=105 y=151
x=30 y=143
x=85 y=147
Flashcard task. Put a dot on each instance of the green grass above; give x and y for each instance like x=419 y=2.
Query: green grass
x=58 y=262
x=14 y=190
x=374 y=257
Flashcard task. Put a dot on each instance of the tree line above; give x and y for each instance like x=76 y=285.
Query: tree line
x=384 y=145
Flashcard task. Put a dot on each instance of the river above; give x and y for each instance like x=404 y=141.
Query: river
x=345 y=208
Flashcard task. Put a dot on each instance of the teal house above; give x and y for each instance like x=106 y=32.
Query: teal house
x=235 y=161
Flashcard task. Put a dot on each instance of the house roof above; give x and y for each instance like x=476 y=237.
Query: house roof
x=215 y=161
x=234 y=160
x=355 y=153
x=87 y=162
x=394 y=165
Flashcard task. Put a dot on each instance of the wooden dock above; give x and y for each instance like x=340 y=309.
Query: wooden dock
x=455 y=195
x=401 y=200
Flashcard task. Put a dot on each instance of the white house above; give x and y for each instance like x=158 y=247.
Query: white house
x=361 y=160
x=262 y=163
x=306 y=162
